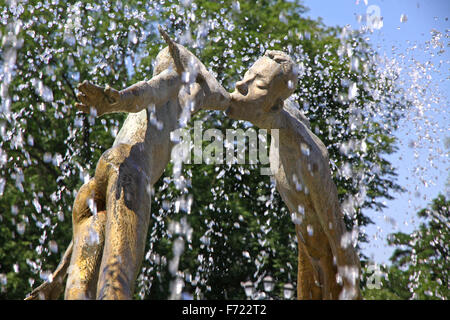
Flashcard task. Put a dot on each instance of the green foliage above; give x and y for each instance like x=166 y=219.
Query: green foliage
x=237 y=228
x=420 y=262
x=422 y=257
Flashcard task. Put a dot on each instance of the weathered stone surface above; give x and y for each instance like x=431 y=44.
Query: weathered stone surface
x=111 y=212
x=300 y=164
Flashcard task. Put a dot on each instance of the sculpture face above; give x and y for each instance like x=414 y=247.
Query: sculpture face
x=255 y=95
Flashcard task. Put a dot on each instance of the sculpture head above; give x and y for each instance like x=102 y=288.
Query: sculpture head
x=265 y=86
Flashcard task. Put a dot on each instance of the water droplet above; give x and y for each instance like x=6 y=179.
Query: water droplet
x=290 y=84
x=3 y=279
x=46 y=276
x=403 y=18
x=236 y=6
x=352 y=91
x=305 y=149
x=283 y=18
x=296 y=219
x=2 y=185
x=21 y=228
x=93 y=237
x=53 y=246
x=37 y=205
x=310 y=230
x=132 y=37
x=47 y=157
x=14 y=210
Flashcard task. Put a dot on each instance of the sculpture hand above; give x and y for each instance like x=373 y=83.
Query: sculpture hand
x=215 y=96
x=103 y=100
x=51 y=290
x=206 y=90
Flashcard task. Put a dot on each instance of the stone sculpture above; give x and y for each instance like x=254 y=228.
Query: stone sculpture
x=328 y=268
x=115 y=204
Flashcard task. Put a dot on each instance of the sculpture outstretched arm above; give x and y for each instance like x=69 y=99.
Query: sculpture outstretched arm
x=138 y=96
x=132 y=99
x=156 y=91
x=51 y=290
x=207 y=91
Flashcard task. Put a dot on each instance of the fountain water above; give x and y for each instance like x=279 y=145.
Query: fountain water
x=215 y=226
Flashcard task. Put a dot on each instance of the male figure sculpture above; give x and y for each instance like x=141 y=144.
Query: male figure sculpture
x=327 y=268
x=111 y=212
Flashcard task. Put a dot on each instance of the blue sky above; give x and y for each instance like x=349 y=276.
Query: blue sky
x=421 y=134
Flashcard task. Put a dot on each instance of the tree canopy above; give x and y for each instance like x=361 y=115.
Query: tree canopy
x=420 y=262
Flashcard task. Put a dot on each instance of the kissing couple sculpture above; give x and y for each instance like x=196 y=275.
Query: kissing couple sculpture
x=115 y=204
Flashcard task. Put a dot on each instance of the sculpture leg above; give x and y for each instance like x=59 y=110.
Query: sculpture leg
x=128 y=215
x=51 y=290
x=330 y=286
x=316 y=269
x=347 y=261
x=307 y=288
x=88 y=238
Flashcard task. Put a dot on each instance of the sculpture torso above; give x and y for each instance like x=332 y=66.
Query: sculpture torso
x=300 y=167
x=155 y=144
